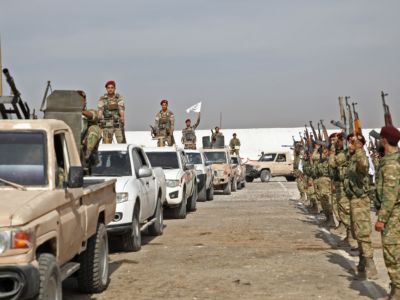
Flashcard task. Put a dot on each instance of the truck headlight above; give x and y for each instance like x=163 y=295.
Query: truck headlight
x=122 y=197
x=15 y=239
x=5 y=241
x=173 y=183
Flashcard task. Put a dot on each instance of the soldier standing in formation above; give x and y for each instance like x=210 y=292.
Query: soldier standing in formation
x=338 y=162
x=387 y=188
x=165 y=125
x=189 y=134
x=298 y=172
x=112 y=114
x=356 y=186
x=234 y=144
x=309 y=184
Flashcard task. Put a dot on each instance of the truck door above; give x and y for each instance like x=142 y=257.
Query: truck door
x=144 y=186
x=150 y=183
x=71 y=212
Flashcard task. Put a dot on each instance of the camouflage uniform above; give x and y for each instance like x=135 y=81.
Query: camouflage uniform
x=90 y=138
x=323 y=184
x=214 y=136
x=300 y=178
x=232 y=145
x=357 y=187
x=338 y=162
x=387 y=190
x=309 y=181
x=110 y=110
x=165 y=124
x=189 y=135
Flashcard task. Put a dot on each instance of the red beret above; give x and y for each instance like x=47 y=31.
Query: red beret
x=164 y=101
x=188 y=120
x=110 y=82
x=391 y=134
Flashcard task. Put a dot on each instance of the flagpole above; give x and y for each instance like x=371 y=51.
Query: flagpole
x=220 y=120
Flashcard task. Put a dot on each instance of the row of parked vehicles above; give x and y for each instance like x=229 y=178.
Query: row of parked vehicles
x=57 y=223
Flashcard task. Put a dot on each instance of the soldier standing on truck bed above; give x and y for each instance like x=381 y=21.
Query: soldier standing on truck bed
x=112 y=115
x=234 y=145
x=189 y=134
x=165 y=125
x=90 y=135
x=215 y=134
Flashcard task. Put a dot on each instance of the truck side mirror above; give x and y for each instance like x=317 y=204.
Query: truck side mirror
x=75 y=177
x=145 y=172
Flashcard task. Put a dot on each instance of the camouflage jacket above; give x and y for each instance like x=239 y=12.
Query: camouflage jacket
x=356 y=183
x=165 y=120
x=388 y=185
x=307 y=168
x=234 y=142
x=110 y=109
x=188 y=133
x=338 y=163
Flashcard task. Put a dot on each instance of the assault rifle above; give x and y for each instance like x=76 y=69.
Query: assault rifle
x=386 y=111
x=351 y=122
x=357 y=122
x=325 y=132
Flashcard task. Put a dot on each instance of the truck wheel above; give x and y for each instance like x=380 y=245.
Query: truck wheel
x=234 y=185
x=180 y=211
x=243 y=184
x=239 y=185
x=249 y=179
x=227 y=189
x=265 y=175
x=210 y=193
x=191 y=205
x=290 y=178
x=50 y=278
x=202 y=194
x=158 y=226
x=132 y=240
x=93 y=275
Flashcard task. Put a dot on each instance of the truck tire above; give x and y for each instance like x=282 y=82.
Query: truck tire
x=132 y=240
x=265 y=175
x=210 y=193
x=234 y=185
x=290 y=178
x=239 y=185
x=93 y=275
x=191 y=205
x=202 y=194
x=243 y=184
x=157 y=227
x=249 y=179
x=227 y=189
x=50 y=278
x=180 y=212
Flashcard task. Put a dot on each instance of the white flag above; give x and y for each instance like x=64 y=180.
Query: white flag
x=194 y=108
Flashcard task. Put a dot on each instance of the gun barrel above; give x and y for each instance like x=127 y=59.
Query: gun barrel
x=374 y=134
x=11 y=83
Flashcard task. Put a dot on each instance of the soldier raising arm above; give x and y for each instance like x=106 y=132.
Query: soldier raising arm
x=189 y=135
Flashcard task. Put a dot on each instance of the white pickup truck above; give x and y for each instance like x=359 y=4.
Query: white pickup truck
x=181 y=179
x=140 y=192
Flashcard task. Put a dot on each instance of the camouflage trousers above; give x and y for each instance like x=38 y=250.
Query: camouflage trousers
x=108 y=133
x=165 y=139
x=234 y=152
x=361 y=224
x=310 y=192
x=90 y=142
x=191 y=146
x=301 y=185
x=391 y=246
x=343 y=204
x=324 y=193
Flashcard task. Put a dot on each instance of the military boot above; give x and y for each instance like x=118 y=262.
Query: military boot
x=361 y=264
x=330 y=221
x=370 y=268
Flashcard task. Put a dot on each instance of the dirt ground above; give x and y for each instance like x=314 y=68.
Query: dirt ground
x=258 y=243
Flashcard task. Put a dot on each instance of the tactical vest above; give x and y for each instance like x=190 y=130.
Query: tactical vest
x=111 y=107
x=189 y=134
x=164 y=121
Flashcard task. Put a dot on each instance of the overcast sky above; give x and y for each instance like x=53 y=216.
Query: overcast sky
x=261 y=63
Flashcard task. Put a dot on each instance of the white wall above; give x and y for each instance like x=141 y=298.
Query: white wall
x=253 y=140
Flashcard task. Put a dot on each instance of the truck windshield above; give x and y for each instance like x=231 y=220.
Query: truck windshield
x=216 y=157
x=165 y=160
x=268 y=157
x=113 y=163
x=194 y=158
x=23 y=158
